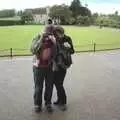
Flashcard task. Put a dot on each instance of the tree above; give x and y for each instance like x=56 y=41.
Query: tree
x=72 y=21
x=84 y=11
x=95 y=15
x=19 y=13
x=83 y=20
x=116 y=13
x=110 y=20
x=75 y=8
x=79 y=10
x=94 y=18
x=61 y=12
x=7 y=13
x=27 y=17
x=80 y=20
x=87 y=21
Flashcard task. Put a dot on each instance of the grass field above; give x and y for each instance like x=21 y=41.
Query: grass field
x=21 y=37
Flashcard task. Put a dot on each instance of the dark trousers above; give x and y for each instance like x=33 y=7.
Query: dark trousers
x=41 y=74
x=59 y=77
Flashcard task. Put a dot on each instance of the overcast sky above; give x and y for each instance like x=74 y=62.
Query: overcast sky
x=100 y=6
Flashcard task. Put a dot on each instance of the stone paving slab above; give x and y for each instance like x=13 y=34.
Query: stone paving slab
x=92 y=85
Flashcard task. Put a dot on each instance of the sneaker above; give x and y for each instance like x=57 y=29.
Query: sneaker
x=56 y=103
x=63 y=107
x=49 y=108
x=38 y=109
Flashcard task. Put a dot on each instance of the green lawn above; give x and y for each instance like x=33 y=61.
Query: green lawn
x=21 y=37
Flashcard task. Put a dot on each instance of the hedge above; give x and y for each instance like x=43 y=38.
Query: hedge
x=11 y=22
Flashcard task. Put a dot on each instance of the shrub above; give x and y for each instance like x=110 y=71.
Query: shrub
x=11 y=22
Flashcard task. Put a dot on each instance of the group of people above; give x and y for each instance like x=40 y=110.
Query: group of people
x=52 y=52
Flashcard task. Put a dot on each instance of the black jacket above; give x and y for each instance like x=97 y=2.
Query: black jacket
x=69 y=40
x=63 y=58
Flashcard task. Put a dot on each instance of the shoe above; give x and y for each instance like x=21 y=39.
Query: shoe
x=49 y=108
x=38 y=109
x=56 y=103
x=63 y=107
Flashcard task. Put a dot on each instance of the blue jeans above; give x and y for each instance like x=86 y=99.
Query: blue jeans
x=41 y=74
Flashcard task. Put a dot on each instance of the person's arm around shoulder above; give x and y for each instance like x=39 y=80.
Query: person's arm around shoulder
x=36 y=44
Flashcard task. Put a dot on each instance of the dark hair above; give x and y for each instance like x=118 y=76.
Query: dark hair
x=50 y=21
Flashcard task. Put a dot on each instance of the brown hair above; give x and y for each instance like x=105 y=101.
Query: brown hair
x=59 y=29
x=49 y=29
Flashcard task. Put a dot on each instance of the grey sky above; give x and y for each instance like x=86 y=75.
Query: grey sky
x=110 y=6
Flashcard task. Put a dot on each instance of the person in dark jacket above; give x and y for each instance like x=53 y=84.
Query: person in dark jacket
x=64 y=43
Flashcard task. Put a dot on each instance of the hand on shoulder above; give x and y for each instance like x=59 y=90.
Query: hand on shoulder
x=67 y=45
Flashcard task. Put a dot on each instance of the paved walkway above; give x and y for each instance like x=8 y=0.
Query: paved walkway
x=92 y=85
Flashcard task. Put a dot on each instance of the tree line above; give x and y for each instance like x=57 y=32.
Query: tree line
x=110 y=20
x=75 y=14
x=7 y=13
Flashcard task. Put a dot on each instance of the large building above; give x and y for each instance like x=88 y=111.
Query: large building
x=39 y=18
x=40 y=15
